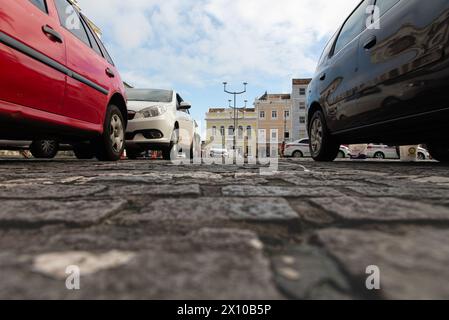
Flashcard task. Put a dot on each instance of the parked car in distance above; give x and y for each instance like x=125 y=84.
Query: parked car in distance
x=382 y=151
x=160 y=120
x=57 y=81
x=387 y=84
x=40 y=149
x=301 y=149
x=218 y=151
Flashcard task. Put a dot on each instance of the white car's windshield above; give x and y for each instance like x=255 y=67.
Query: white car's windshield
x=150 y=95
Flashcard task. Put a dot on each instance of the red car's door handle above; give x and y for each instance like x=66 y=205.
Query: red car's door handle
x=110 y=73
x=52 y=34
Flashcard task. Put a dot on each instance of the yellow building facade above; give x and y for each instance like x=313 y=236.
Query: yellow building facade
x=220 y=130
x=274 y=121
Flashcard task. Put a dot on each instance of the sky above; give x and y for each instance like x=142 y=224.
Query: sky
x=193 y=46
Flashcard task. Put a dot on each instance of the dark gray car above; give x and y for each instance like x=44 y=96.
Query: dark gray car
x=384 y=76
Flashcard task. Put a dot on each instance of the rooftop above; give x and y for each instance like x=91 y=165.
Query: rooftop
x=297 y=82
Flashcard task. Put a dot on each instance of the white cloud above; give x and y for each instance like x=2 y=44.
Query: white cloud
x=195 y=42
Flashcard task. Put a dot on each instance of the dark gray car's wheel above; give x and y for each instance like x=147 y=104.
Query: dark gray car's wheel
x=323 y=147
x=439 y=152
x=111 y=144
x=44 y=149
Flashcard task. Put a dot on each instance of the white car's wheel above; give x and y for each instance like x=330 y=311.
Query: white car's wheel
x=174 y=149
x=297 y=154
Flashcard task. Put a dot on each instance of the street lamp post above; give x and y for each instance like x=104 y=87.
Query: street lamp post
x=235 y=94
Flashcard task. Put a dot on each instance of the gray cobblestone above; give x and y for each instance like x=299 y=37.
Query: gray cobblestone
x=308 y=230
x=413 y=261
x=382 y=209
x=273 y=191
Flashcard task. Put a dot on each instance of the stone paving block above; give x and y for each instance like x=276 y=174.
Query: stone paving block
x=198 y=273
x=304 y=272
x=211 y=209
x=41 y=212
x=153 y=190
x=406 y=191
x=36 y=191
x=279 y=191
x=413 y=261
x=382 y=209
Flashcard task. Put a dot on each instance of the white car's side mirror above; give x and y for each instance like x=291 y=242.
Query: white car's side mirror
x=185 y=106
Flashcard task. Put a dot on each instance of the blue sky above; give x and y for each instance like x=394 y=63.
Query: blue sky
x=192 y=46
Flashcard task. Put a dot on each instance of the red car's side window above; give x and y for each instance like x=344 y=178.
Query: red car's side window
x=41 y=4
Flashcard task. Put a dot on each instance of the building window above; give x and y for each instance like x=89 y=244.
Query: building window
x=222 y=131
x=287 y=114
x=287 y=135
x=249 y=132
x=240 y=132
x=262 y=115
x=214 y=131
x=262 y=136
x=302 y=120
x=274 y=114
x=231 y=131
x=274 y=135
x=302 y=106
x=302 y=91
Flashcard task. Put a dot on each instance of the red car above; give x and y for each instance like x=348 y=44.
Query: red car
x=57 y=81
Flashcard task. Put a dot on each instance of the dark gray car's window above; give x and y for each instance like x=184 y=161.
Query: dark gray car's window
x=385 y=5
x=150 y=95
x=327 y=50
x=41 y=4
x=71 y=21
x=354 y=25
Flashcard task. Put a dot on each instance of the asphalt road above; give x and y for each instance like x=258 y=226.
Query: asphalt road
x=153 y=230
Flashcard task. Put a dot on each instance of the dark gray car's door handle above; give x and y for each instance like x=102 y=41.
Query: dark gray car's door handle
x=370 y=43
x=323 y=77
x=52 y=34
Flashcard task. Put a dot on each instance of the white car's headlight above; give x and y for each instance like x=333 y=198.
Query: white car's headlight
x=151 y=112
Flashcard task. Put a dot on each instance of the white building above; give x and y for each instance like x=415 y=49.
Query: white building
x=299 y=93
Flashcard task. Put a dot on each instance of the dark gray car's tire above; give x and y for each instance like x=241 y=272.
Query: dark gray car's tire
x=44 y=149
x=323 y=147
x=111 y=144
x=439 y=152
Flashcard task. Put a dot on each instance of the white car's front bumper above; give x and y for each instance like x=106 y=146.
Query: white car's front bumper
x=149 y=131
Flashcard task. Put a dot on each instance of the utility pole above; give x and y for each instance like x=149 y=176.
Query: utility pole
x=235 y=94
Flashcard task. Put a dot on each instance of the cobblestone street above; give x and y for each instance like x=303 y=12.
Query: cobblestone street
x=154 y=230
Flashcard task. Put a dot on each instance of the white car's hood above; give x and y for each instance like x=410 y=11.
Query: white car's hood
x=140 y=105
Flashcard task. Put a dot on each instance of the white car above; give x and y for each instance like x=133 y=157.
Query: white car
x=301 y=149
x=382 y=151
x=218 y=151
x=160 y=120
